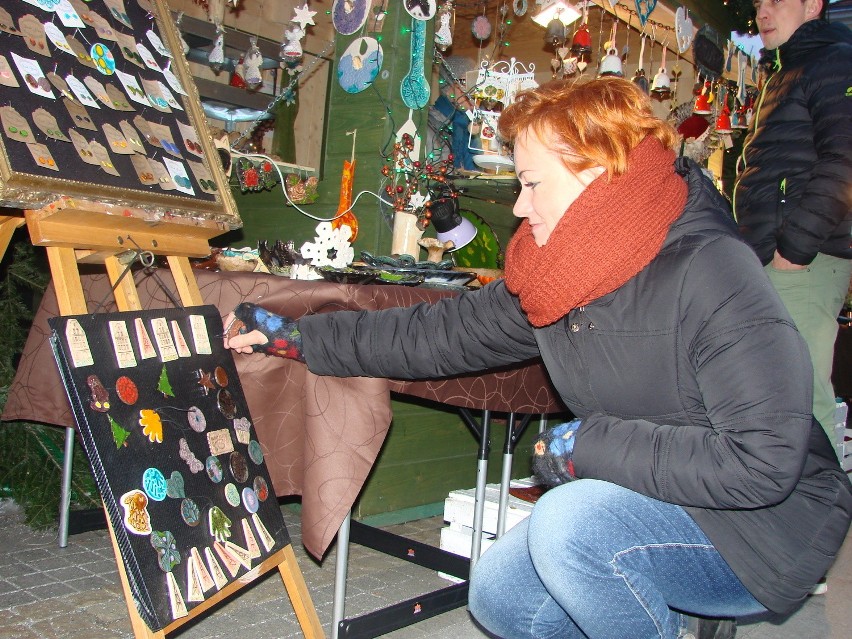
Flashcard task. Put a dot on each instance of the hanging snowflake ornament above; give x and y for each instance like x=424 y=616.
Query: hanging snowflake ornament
x=330 y=247
x=303 y=16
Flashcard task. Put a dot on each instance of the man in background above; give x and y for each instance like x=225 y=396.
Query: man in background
x=794 y=194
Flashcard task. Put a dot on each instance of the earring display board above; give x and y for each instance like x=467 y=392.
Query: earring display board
x=163 y=419
x=97 y=104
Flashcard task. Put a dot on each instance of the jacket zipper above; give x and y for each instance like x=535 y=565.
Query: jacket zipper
x=756 y=120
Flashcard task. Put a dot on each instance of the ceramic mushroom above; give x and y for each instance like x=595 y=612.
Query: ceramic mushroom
x=435 y=248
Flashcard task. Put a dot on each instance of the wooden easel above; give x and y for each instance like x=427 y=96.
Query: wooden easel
x=75 y=235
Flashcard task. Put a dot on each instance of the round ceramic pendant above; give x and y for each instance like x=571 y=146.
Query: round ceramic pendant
x=226 y=404
x=197 y=420
x=250 y=500
x=232 y=495
x=261 y=488
x=154 y=484
x=421 y=9
x=103 y=58
x=126 y=390
x=255 y=452
x=189 y=512
x=220 y=376
x=239 y=467
x=214 y=469
x=359 y=65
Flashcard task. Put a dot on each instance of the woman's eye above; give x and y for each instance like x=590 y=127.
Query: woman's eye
x=530 y=185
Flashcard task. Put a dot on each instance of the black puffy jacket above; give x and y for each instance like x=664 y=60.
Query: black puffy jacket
x=794 y=192
x=683 y=381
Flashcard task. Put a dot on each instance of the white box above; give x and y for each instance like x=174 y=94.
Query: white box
x=457 y=536
x=459 y=504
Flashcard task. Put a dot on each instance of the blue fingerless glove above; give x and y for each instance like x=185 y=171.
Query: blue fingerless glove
x=282 y=333
x=552 y=452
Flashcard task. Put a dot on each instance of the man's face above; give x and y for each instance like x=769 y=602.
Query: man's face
x=777 y=20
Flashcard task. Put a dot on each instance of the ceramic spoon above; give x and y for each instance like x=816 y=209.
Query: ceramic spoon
x=414 y=87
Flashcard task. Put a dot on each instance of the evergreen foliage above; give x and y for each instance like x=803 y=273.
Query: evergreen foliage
x=31 y=454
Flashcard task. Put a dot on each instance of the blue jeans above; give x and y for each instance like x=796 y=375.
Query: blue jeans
x=597 y=560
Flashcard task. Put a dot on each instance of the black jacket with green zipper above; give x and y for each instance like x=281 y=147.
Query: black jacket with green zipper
x=682 y=378
x=794 y=192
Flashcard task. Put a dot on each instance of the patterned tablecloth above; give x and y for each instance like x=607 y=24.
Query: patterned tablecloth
x=321 y=435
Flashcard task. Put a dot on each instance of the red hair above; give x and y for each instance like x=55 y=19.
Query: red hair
x=589 y=123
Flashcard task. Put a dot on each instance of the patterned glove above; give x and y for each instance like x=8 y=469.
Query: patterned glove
x=282 y=333
x=552 y=453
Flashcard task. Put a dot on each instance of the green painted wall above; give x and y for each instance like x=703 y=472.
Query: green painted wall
x=429 y=451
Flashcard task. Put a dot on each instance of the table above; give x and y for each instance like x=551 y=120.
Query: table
x=320 y=435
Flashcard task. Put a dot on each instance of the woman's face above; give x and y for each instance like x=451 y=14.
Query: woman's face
x=548 y=188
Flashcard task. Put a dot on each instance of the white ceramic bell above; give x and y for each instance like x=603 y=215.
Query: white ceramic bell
x=611 y=64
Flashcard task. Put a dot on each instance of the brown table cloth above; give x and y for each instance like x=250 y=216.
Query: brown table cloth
x=320 y=435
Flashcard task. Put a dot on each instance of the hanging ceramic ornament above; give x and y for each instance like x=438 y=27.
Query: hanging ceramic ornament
x=238 y=76
x=344 y=204
x=183 y=44
x=291 y=49
x=519 y=7
x=704 y=99
x=420 y=9
x=707 y=52
x=639 y=78
x=581 y=43
x=611 y=62
x=723 y=120
x=414 y=86
x=625 y=51
x=481 y=28
x=444 y=32
x=303 y=16
x=348 y=16
x=661 y=88
x=359 y=65
x=217 y=53
x=644 y=8
x=684 y=29
x=253 y=60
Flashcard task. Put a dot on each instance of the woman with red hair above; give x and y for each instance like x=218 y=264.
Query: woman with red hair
x=693 y=481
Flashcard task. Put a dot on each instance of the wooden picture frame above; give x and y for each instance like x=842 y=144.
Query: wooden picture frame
x=199 y=194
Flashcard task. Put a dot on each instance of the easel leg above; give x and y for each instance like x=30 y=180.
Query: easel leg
x=294 y=581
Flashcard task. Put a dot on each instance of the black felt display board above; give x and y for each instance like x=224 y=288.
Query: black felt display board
x=75 y=177
x=151 y=487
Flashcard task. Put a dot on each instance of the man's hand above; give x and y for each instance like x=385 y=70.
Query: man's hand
x=782 y=264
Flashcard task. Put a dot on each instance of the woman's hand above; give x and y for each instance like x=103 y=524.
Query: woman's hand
x=237 y=339
x=251 y=328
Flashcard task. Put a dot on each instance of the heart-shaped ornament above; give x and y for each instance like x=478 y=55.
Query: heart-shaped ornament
x=174 y=486
x=684 y=29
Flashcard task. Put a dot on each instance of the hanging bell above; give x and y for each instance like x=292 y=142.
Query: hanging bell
x=640 y=80
x=555 y=34
x=661 y=87
x=611 y=64
x=581 y=43
x=702 y=102
x=723 y=122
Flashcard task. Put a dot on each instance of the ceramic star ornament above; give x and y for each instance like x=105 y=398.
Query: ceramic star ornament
x=303 y=16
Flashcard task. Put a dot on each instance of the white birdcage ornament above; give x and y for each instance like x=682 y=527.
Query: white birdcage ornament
x=497 y=84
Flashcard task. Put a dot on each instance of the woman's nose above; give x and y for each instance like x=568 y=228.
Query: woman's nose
x=522 y=206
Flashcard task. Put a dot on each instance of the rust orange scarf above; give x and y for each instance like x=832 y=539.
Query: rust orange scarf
x=609 y=233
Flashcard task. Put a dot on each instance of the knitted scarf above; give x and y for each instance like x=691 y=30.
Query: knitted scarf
x=609 y=233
